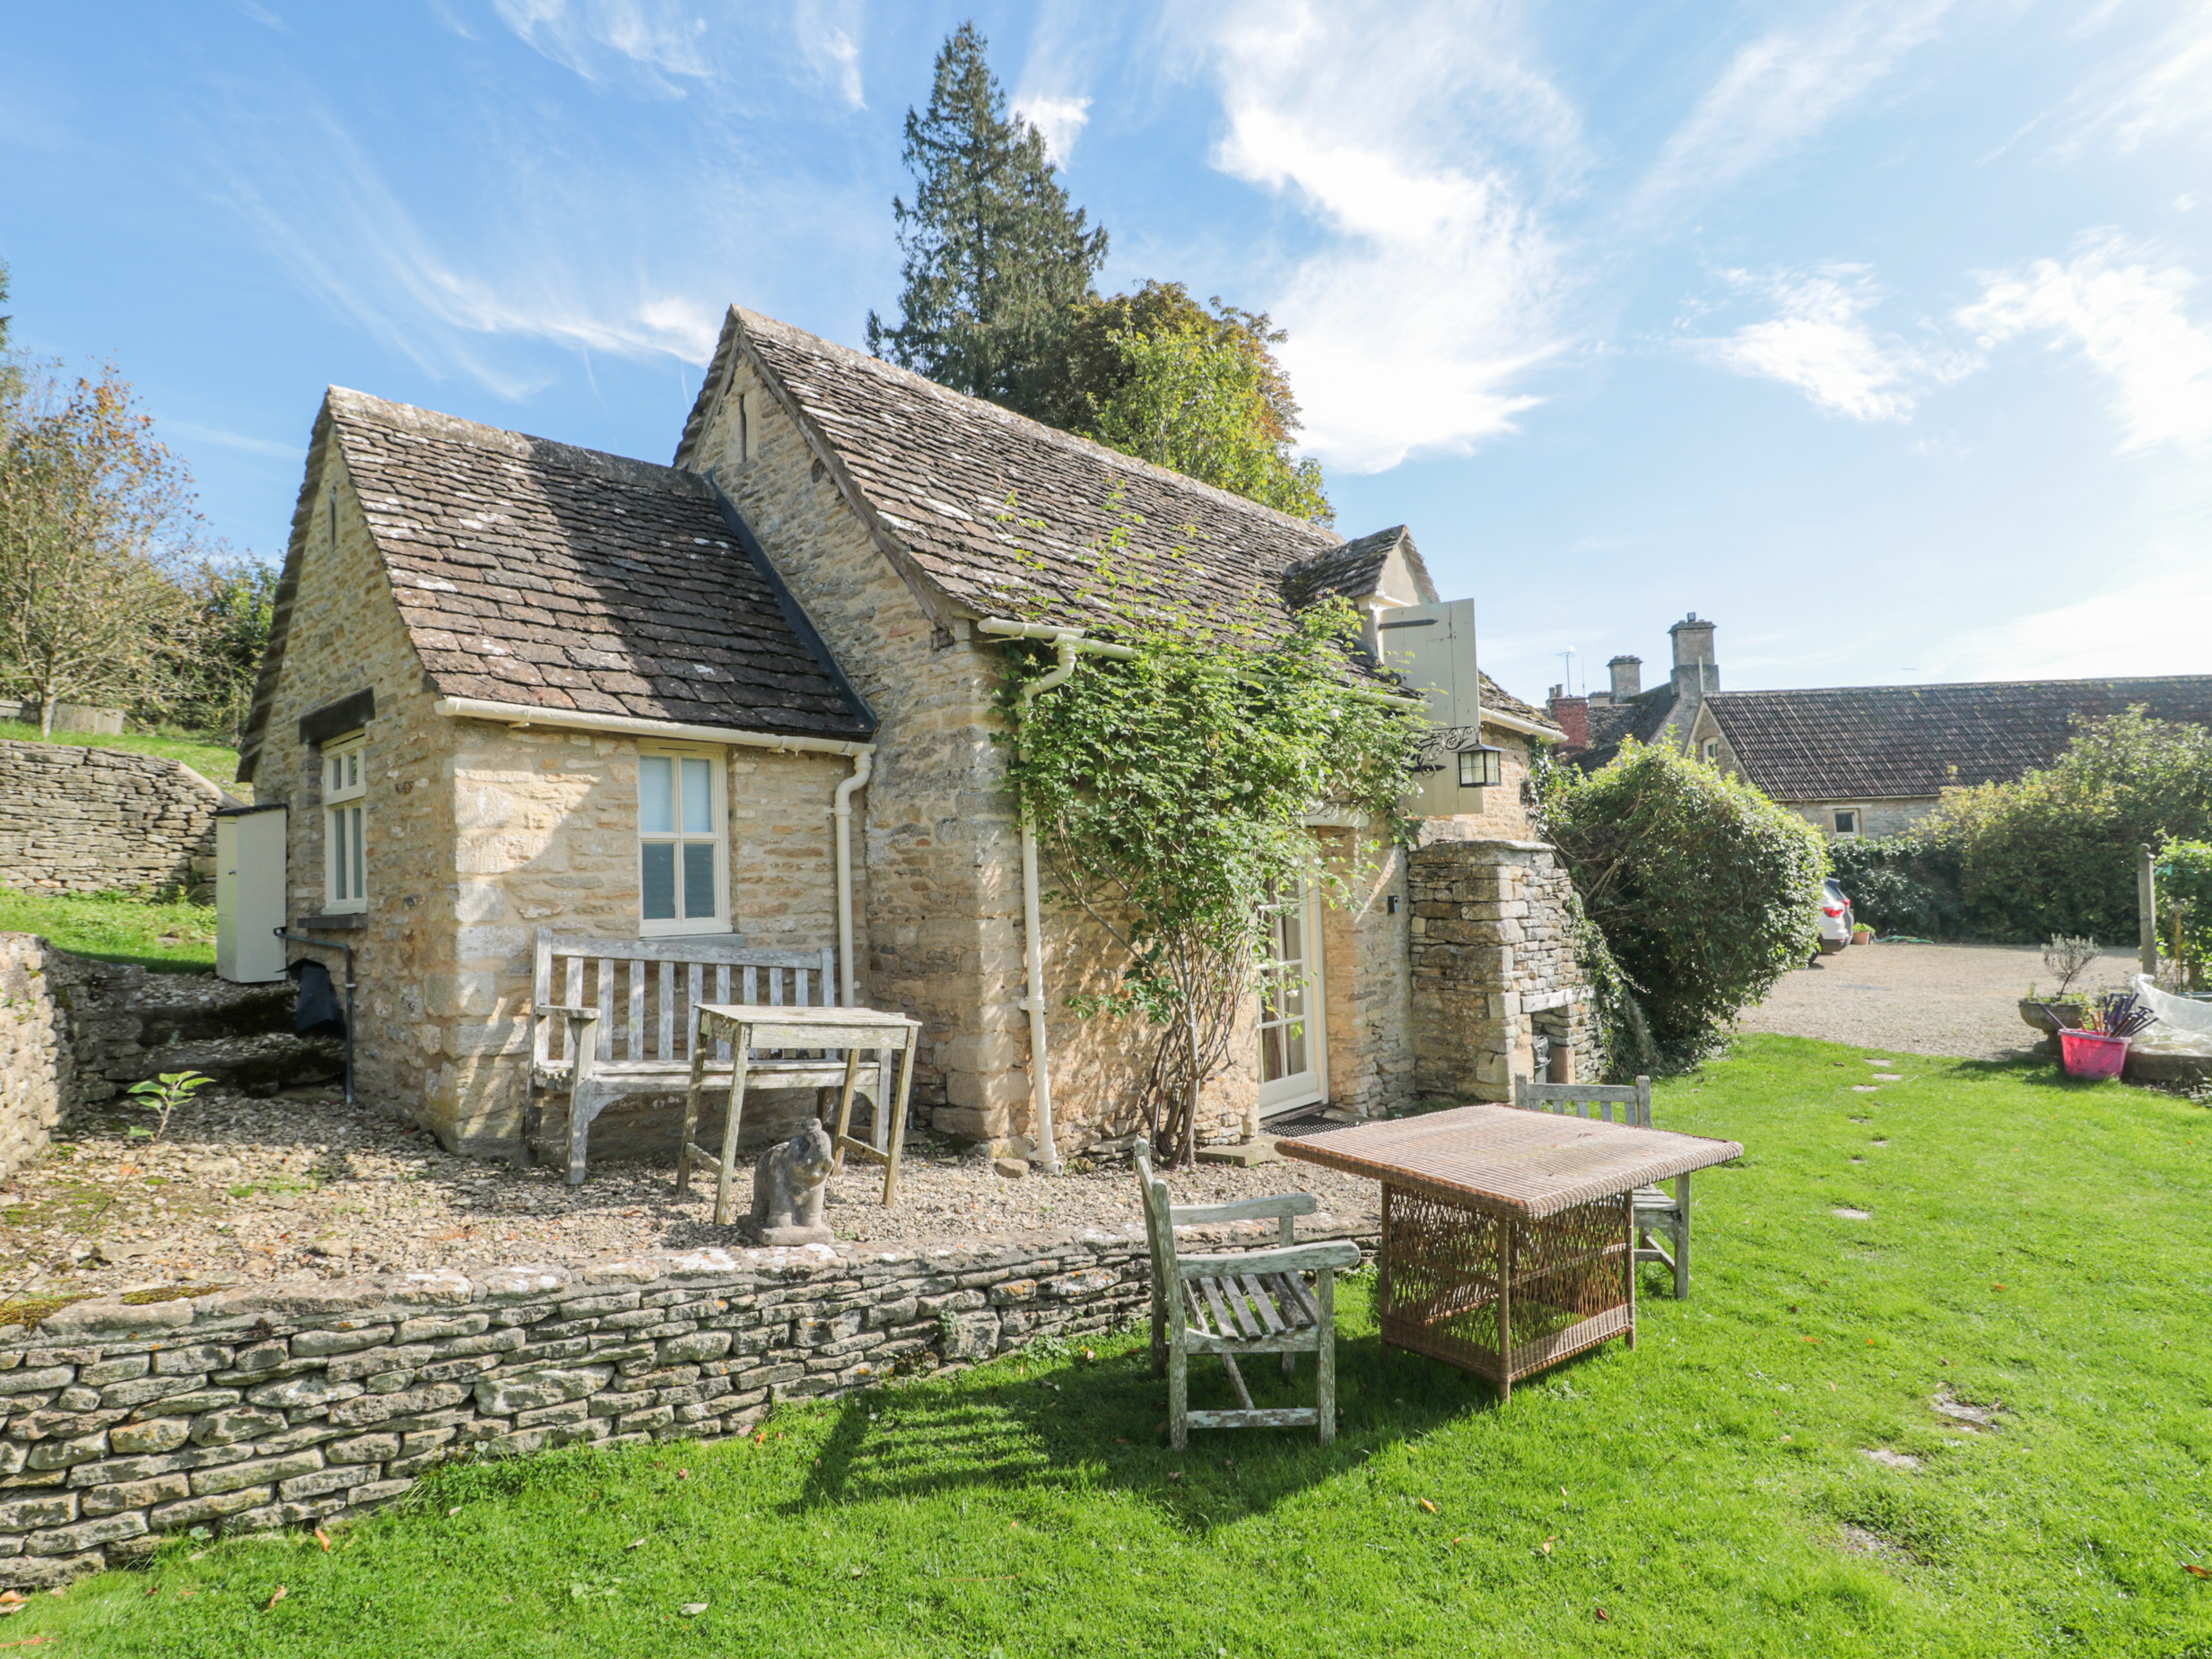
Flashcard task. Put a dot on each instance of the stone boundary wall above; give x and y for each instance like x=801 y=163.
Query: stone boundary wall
x=37 y=1070
x=1492 y=955
x=315 y=1401
x=80 y=819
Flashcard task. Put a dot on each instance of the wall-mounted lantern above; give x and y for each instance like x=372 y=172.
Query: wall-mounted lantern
x=1481 y=767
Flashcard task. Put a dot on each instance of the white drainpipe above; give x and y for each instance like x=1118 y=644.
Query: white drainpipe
x=863 y=765
x=1067 y=643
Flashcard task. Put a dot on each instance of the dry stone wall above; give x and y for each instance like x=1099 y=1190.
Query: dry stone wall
x=301 y=1403
x=1493 y=966
x=79 y=820
x=37 y=1074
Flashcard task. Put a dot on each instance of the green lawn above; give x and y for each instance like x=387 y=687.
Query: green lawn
x=115 y=927
x=2034 y=1245
x=215 y=762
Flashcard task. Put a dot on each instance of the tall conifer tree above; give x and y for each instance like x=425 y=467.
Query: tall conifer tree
x=997 y=258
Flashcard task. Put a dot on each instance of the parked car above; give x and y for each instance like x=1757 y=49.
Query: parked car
x=1836 y=918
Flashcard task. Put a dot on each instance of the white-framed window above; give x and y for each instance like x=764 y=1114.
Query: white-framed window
x=345 y=822
x=683 y=841
x=1712 y=752
x=1847 y=822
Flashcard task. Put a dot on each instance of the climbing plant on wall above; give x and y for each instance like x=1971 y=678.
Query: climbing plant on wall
x=1169 y=793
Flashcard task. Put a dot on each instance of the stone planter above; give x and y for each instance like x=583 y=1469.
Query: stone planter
x=2051 y=1018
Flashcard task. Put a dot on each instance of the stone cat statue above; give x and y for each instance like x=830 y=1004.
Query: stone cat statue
x=788 y=1186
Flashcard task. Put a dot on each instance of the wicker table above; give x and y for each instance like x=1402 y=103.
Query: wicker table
x=1508 y=1236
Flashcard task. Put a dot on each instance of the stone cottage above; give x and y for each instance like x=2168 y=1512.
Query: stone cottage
x=1857 y=760
x=516 y=686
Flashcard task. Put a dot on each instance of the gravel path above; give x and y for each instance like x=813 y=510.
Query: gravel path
x=1930 y=999
x=242 y=1189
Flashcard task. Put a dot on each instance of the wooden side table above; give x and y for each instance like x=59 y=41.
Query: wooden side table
x=748 y=1026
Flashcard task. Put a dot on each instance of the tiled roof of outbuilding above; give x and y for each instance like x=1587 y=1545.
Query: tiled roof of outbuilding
x=1888 y=742
x=535 y=573
x=1611 y=724
x=1003 y=515
x=1496 y=700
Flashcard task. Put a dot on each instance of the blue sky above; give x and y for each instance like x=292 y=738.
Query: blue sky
x=1877 y=332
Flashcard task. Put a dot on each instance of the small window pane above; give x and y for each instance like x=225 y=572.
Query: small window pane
x=337 y=852
x=655 y=796
x=698 y=879
x=660 y=880
x=353 y=770
x=697 y=797
x=360 y=874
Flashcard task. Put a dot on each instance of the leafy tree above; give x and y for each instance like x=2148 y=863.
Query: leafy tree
x=1702 y=891
x=96 y=521
x=1169 y=795
x=219 y=650
x=996 y=255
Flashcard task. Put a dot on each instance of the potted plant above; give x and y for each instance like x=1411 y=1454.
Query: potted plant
x=1861 y=934
x=2069 y=958
x=2099 y=1048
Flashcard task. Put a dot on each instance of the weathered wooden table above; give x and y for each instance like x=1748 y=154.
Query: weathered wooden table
x=1508 y=1236
x=748 y=1026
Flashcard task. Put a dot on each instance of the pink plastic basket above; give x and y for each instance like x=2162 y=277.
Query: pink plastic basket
x=2092 y=1055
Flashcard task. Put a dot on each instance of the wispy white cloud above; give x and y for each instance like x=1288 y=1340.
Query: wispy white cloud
x=1819 y=342
x=1061 y=120
x=262 y=15
x=2149 y=622
x=829 y=38
x=239 y=442
x=1780 y=90
x=2153 y=87
x=2125 y=315
x=655 y=39
x=334 y=221
x=1414 y=324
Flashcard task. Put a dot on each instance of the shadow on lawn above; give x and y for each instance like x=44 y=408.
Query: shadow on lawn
x=1103 y=1424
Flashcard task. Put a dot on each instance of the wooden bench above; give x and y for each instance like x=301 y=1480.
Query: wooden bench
x=1657 y=1211
x=612 y=1017
x=1255 y=1302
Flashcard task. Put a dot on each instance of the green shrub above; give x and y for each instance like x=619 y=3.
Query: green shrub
x=1703 y=890
x=2185 y=910
x=1900 y=884
x=2055 y=851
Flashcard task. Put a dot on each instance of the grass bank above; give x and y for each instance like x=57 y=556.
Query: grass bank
x=2021 y=1243
x=215 y=762
x=177 y=937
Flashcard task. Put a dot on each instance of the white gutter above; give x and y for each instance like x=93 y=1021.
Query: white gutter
x=863 y=765
x=674 y=731
x=1067 y=643
x=1514 y=723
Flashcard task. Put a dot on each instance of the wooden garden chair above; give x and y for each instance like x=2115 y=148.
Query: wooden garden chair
x=1657 y=1211
x=1253 y=1302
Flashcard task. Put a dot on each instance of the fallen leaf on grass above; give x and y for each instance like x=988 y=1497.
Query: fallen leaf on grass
x=280 y=1594
x=323 y=1538
x=9 y=1596
x=684 y=1474
x=1431 y=1507
x=1546 y=1545
x=692 y=1610
x=1996 y=1287
x=635 y=1543
x=1605 y=1615
x=2195 y=1571
x=1175 y=1474
x=452 y=1512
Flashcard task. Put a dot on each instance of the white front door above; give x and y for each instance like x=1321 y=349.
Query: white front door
x=1293 y=1042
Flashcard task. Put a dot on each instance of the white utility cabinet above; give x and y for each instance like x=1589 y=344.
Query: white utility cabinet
x=249 y=894
x=1433 y=647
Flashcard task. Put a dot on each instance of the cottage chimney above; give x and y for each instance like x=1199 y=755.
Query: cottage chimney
x=1696 y=671
x=1627 y=677
x=1571 y=715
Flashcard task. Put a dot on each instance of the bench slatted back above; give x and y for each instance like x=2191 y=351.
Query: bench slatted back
x=645 y=990
x=1612 y=1103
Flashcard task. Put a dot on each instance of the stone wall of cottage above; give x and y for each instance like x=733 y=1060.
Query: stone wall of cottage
x=1876 y=817
x=546 y=837
x=1493 y=966
x=37 y=1068
x=74 y=819
x=1367 y=988
x=347 y=636
x=306 y=1403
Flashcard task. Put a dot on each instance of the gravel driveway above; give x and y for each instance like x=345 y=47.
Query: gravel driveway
x=1930 y=999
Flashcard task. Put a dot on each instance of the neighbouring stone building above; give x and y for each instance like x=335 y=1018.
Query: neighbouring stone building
x=1855 y=760
x=489 y=649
